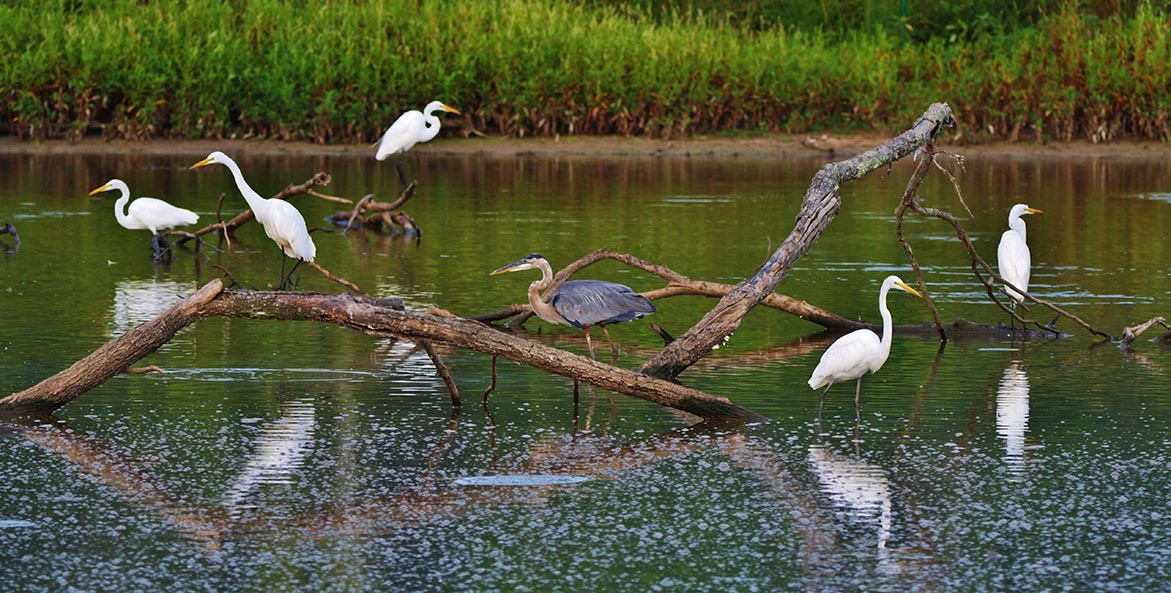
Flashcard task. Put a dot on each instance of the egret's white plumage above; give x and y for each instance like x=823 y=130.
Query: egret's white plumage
x=151 y=214
x=860 y=351
x=281 y=220
x=1012 y=256
x=411 y=128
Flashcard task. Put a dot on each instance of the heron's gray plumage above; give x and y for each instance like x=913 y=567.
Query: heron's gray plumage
x=593 y=302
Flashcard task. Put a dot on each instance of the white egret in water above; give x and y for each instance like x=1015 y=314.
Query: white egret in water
x=1012 y=256
x=281 y=220
x=858 y=352
x=581 y=303
x=151 y=214
x=409 y=129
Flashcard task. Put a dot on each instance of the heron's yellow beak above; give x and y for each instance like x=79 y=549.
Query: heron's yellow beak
x=908 y=289
x=202 y=163
x=451 y=109
x=1034 y=211
x=100 y=190
x=504 y=270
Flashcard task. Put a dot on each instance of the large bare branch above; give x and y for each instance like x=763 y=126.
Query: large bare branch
x=819 y=207
x=379 y=317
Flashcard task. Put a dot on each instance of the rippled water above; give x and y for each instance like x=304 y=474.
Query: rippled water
x=296 y=457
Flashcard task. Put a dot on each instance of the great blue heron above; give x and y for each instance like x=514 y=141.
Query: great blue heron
x=409 y=129
x=151 y=214
x=1012 y=256
x=581 y=303
x=858 y=352
x=281 y=220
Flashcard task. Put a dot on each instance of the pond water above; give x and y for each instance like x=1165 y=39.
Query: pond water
x=283 y=456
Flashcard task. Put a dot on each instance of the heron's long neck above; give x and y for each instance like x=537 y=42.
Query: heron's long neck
x=431 y=130
x=255 y=201
x=1018 y=224
x=120 y=207
x=540 y=307
x=887 y=328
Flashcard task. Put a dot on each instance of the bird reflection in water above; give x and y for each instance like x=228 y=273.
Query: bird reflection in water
x=1012 y=415
x=280 y=450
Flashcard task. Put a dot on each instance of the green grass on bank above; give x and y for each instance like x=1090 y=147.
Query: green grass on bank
x=342 y=71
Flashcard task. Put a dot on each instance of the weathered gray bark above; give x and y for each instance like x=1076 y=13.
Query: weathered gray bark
x=819 y=207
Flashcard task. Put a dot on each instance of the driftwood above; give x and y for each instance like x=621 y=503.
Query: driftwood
x=379 y=317
x=375 y=214
x=818 y=209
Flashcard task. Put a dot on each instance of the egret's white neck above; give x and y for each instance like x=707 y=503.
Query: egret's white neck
x=887 y=323
x=1017 y=224
x=431 y=129
x=120 y=207
x=255 y=201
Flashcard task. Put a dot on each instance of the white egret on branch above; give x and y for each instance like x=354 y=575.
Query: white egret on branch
x=1012 y=256
x=409 y=129
x=151 y=214
x=858 y=352
x=281 y=220
x=581 y=303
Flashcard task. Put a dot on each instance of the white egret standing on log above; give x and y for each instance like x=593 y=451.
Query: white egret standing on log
x=409 y=129
x=1012 y=256
x=150 y=214
x=858 y=352
x=581 y=303
x=281 y=220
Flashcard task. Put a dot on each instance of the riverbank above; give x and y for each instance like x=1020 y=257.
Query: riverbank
x=773 y=146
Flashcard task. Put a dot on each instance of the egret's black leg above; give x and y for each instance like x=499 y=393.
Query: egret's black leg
x=821 y=402
x=398 y=164
x=281 y=284
x=160 y=248
x=289 y=282
x=857 y=401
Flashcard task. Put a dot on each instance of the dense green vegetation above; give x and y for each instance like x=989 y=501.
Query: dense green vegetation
x=341 y=71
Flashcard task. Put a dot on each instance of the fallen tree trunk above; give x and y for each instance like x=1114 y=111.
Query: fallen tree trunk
x=819 y=207
x=379 y=317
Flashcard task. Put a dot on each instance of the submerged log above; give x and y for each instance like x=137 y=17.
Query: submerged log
x=378 y=317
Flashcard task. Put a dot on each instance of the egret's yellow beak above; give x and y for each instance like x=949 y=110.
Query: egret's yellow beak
x=202 y=163
x=451 y=109
x=908 y=289
x=100 y=190
x=1034 y=211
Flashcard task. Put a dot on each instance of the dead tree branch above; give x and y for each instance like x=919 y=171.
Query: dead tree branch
x=377 y=317
x=819 y=207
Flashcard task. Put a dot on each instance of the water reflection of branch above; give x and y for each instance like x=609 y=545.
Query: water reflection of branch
x=112 y=469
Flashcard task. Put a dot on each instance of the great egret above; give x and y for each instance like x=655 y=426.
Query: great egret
x=1012 y=256
x=858 y=352
x=281 y=220
x=409 y=129
x=151 y=214
x=581 y=303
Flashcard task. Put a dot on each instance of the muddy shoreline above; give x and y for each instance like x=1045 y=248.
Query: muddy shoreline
x=778 y=146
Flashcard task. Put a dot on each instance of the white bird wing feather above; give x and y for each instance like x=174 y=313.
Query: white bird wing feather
x=401 y=135
x=286 y=226
x=155 y=214
x=850 y=357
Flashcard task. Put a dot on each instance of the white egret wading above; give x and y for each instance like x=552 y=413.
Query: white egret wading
x=149 y=214
x=281 y=220
x=581 y=303
x=409 y=129
x=858 y=352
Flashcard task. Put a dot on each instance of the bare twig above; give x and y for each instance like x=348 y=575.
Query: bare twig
x=444 y=373
x=330 y=276
x=908 y=202
x=1130 y=334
